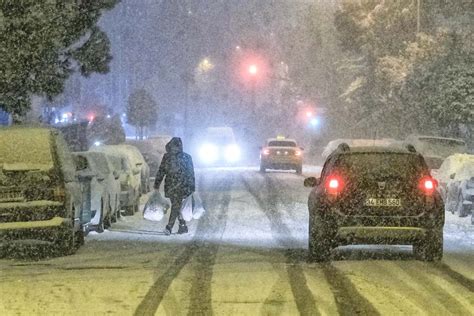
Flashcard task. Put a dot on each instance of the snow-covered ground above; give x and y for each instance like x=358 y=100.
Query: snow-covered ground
x=246 y=256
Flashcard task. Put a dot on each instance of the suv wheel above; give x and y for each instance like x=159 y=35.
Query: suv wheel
x=431 y=247
x=320 y=240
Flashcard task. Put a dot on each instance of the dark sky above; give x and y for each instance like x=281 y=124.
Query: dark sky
x=156 y=44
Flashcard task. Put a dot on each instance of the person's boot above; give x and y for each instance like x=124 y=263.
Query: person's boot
x=183 y=229
x=167 y=230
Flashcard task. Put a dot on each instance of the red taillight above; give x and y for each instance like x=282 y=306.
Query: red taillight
x=298 y=153
x=334 y=185
x=266 y=152
x=428 y=185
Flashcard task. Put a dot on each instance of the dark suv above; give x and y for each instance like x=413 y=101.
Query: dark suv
x=375 y=195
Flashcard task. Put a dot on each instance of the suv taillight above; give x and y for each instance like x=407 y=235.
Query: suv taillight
x=428 y=185
x=334 y=185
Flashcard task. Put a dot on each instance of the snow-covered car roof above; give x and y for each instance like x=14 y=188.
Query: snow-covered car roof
x=428 y=137
x=281 y=140
x=131 y=152
x=97 y=160
x=453 y=164
x=26 y=148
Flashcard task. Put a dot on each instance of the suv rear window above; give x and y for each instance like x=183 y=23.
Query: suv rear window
x=281 y=143
x=398 y=165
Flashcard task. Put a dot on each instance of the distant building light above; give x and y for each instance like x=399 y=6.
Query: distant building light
x=108 y=115
x=97 y=143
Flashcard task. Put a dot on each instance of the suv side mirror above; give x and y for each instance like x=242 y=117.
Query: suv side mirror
x=452 y=176
x=302 y=148
x=311 y=182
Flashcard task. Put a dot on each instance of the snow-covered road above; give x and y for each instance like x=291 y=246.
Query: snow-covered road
x=246 y=256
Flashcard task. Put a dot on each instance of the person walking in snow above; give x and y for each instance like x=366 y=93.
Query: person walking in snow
x=177 y=170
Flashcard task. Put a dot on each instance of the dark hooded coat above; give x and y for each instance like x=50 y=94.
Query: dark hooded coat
x=177 y=170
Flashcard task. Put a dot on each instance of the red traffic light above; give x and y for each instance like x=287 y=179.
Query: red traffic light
x=253 y=69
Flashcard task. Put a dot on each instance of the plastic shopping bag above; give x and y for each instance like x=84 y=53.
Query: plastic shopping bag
x=156 y=207
x=187 y=208
x=198 y=209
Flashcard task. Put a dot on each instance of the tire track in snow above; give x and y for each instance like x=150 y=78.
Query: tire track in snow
x=302 y=294
x=461 y=279
x=200 y=294
x=348 y=299
x=436 y=292
x=157 y=291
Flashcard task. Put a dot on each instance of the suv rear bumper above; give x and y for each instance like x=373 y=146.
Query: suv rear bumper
x=382 y=229
x=380 y=235
x=47 y=231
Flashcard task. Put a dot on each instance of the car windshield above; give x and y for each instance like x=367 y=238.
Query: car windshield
x=281 y=143
x=26 y=147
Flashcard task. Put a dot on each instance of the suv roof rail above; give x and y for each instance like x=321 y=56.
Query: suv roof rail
x=411 y=148
x=343 y=147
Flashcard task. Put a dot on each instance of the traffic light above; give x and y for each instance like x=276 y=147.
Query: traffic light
x=253 y=70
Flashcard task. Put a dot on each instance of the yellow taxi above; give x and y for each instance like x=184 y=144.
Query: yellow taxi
x=281 y=153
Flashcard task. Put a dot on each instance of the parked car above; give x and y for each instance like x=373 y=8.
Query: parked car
x=129 y=175
x=101 y=189
x=281 y=153
x=435 y=149
x=152 y=149
x=375 y=195
x=137 y=161
x=40 y=199
x=456 y=179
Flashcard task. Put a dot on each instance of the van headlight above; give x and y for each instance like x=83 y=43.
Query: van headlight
x=232 y=153
x=208 y=153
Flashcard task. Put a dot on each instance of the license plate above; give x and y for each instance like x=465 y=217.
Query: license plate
x=390 y=202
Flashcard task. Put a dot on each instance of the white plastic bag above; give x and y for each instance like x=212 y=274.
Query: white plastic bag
x=187 y=208
x=198 y=209
x=156 y=207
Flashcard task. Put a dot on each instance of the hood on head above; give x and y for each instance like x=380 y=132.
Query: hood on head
x=175 y=145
